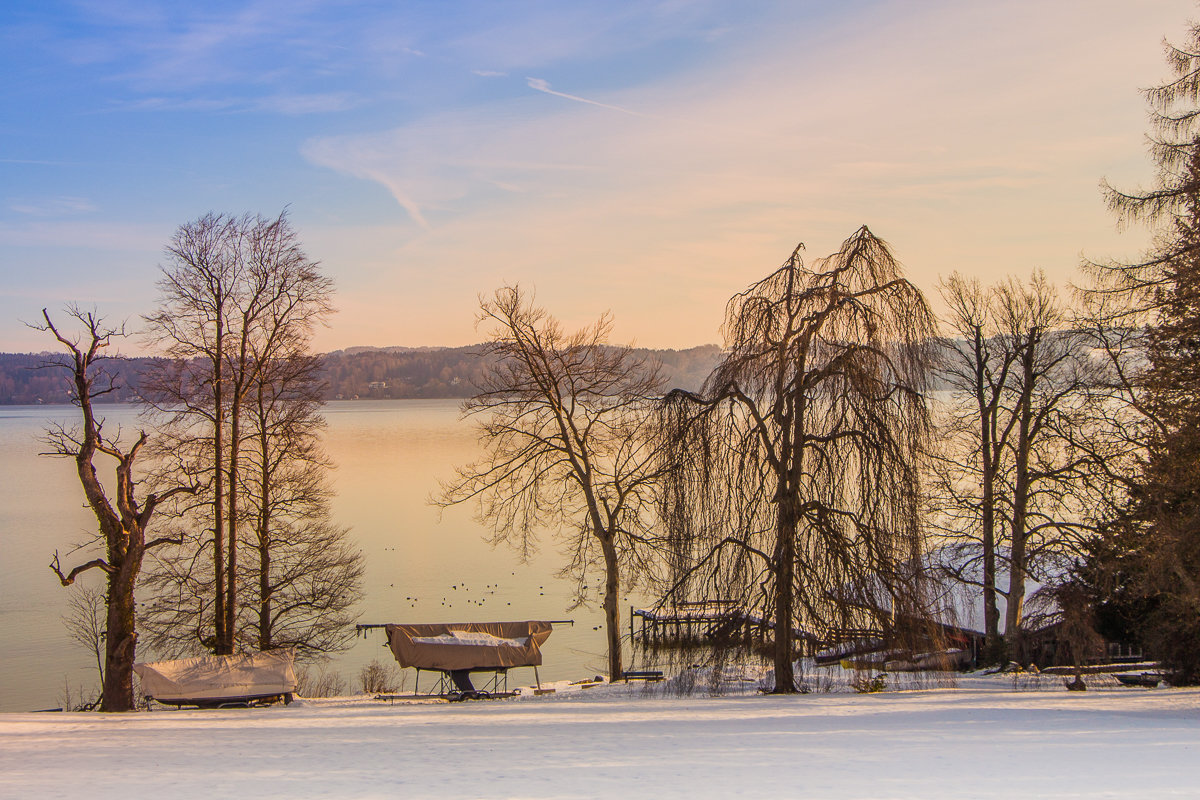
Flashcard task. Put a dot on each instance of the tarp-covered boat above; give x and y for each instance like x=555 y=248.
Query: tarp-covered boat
x=456 y=646
x=220 y=680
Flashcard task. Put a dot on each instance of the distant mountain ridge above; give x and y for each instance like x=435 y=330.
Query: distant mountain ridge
x=395 y=348
x=353 y=373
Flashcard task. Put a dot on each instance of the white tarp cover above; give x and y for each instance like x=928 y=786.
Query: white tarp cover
x=468 y=638
x=469 y=645
x=213 y=678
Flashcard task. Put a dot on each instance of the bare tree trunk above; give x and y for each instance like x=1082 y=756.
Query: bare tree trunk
x=219 y=629
x=991 y=606
x=264 y=592
x=1017 y=566
x=612 y=617
x=264 y=523
x=785 y=575
x=988 y=467
x=229 y=645
x=120 y=643
x=1016 y=584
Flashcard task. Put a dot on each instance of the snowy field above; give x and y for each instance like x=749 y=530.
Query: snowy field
x=985 y=738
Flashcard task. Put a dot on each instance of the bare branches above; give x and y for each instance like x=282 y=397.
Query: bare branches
x=69 y=578
x=86 y=623
x=568 y=425
x=238 y=397
x=1008 y=495
x=122 y=525
x=804 y=446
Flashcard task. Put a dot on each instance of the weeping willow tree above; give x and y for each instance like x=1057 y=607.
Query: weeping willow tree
x=794 y=481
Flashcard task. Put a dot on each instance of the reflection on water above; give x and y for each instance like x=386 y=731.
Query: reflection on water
x=422 y=564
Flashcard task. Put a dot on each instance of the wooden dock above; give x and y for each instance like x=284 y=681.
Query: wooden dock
x=701 y=621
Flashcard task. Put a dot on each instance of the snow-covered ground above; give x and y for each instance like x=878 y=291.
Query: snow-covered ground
x=985 y=737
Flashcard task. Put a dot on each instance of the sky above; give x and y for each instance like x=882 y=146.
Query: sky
x=645 y=158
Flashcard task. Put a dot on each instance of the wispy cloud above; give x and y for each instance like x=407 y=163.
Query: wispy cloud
x=171 y=49
x=53 y=207
x=197 y=104
x=372 y=159
x=948 y=155
x=541 y=85
x=444 y=163
x=287 y=104
x=401 y=196
x=86 y=235
x=39 y=162
x=307 y=103
x=971 y=135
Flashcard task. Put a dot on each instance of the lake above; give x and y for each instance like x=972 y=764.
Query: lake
x=390 y=456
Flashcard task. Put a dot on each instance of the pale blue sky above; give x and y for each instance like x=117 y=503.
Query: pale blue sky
x=647 y=158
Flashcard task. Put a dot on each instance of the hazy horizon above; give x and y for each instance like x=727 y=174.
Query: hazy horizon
x=130 y=354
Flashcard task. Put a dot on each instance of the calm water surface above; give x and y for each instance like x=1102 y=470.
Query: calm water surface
x=390 y=456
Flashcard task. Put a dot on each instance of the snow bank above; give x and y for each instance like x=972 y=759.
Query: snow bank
x=981 y=741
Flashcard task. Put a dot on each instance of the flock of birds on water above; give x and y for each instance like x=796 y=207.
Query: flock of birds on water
x=490 y=589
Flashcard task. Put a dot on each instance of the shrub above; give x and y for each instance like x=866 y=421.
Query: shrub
x=869 y=685
x=320 y=683
x=380 y=678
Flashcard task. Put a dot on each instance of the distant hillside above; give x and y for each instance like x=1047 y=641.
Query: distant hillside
x=395 y=372
x=354 y=373
x=27 y=379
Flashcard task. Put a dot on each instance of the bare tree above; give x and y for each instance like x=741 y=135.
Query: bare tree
x=1051 y=373
x=191 y=382
x=189 y=386
x=566 y=419
x=238 y=390
x=85 y=623
x=123 y=526
x=1007 y=493
x=968 y=474
x=795 y=472
x=283 y=295
x=307 y=577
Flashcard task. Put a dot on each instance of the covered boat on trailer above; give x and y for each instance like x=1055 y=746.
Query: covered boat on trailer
x=457 y=649
x=221 y=681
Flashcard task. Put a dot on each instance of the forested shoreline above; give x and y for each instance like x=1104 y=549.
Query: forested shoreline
x=357 y=373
